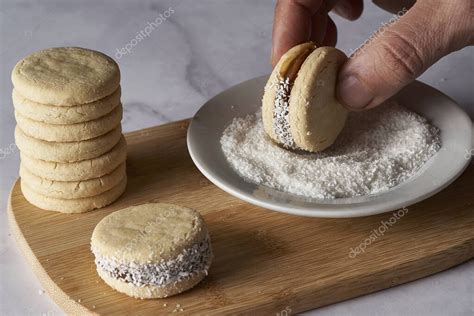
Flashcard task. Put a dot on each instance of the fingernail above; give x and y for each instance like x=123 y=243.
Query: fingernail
x=353 y=93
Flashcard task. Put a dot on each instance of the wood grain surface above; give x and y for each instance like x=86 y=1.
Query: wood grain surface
x=266 y=263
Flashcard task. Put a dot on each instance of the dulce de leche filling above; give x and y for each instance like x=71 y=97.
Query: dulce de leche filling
x=283 y=84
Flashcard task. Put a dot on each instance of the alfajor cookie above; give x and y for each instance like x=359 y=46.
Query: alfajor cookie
x=152 y=250
x=299 y=106
x=52 y=114
x=80 y=170
x=67 y=151
x=70 y=132
x=73 y=205
x=73 y=189
x=66 y=76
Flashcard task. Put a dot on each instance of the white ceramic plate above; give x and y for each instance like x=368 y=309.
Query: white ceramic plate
x=245 y=98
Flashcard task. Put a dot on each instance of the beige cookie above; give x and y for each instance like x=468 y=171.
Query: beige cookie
x=304 y=113
x=73 y=189
x=78 y=171
x=66 y=76
x=75 y=205
x=70 y=132
x=52 y=114
x=152 y=250
x=67 y=151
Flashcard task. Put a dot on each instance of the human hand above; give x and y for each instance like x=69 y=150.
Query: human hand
x=395 y=56
x=299 y=21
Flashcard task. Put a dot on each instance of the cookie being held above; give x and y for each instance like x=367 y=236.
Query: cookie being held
x=299 y=106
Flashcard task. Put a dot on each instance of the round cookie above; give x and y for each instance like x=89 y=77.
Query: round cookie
x=73 y=205
x=52 y=114
x=301 y=111
x=70 y=132
x=80 y=170
x=72 y=189
x=66 y=76
x=67 y=151
x=152 y=250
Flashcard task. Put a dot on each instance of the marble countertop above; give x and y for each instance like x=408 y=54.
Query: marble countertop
x=197 y=50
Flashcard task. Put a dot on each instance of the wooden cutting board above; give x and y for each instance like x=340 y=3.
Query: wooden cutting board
x=265 y=262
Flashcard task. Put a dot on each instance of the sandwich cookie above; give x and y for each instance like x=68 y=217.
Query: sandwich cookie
x=73 y=189
x=70 y=132
x=66 y=76
x=299 y=106
x=80 y=170
x=52 y=114
x=70 y=206
x=67 y=151
x=152 y=250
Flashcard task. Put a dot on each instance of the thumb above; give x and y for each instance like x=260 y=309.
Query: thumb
x=393 y=56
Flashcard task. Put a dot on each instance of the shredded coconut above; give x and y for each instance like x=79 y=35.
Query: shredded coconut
x=377 y=150
x=190 y=262
x=281 y=113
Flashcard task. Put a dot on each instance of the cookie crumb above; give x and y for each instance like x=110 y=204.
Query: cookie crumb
x=41 y=292
x=178 y=308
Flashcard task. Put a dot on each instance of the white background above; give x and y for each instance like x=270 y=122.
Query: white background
x=203 y=48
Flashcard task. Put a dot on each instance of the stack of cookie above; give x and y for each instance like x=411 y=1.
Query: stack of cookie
x=68 y=113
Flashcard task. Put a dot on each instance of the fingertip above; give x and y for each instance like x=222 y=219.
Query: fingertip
x=330 y=39
x=272 y=58
x=292 y=25
x=349 y=9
